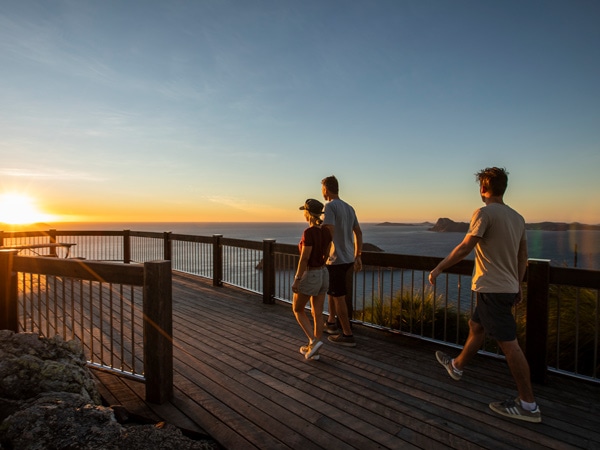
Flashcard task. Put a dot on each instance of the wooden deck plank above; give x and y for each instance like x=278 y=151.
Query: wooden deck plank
x=115 y=390
x=239 y=376
x=285 y=376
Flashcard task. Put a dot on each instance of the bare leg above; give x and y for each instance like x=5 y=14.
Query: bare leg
x=298 y=305
x=332 y=312
x=472 y=345
x=342 y=313
x=317 y=303
x=519 y=367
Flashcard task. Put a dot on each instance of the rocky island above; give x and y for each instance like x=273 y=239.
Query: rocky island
x=445 y=225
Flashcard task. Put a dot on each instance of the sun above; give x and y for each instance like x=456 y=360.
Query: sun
x=20 y=209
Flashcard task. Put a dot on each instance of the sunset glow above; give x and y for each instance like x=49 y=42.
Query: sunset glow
x=225 y=111
x=20 y=209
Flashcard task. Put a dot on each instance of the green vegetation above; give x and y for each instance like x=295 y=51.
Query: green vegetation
x=418 y=313
x=573 y=324
x=573 y=329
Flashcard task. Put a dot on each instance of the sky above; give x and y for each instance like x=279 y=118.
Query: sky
x=233 y=111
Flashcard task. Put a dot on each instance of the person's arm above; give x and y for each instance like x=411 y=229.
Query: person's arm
x=461 y=251
x=522 y=266
x=302 y=266
x=358 y=245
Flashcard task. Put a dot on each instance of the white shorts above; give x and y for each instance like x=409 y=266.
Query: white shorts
x=314 y=282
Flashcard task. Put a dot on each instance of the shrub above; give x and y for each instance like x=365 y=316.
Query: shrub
x=573 y=324
x=418 y=313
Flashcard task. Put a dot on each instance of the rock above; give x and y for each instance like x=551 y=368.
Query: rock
x=30 y=365
x=61 y=420
x=446 y=225
x=367 y=247
x=48 y=400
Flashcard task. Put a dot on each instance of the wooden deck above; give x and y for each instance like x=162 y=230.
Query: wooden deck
x=240 y=378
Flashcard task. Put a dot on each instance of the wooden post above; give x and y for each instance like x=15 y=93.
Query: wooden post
x=52 y=235
x=268 y=271
x=158 y=331
x=9 y=319
x=536 y=334
x=217 y=260
x=168 y=246
x=127 y=246
x=350 y=292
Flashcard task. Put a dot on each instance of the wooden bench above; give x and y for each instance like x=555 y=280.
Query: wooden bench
x=34 y=247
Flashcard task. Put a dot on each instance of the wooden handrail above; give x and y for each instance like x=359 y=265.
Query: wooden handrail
x=154 y=276
x=540 y=275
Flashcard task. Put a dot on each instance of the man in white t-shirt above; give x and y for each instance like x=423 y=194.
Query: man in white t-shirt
x=345 y=255
x=497 y=234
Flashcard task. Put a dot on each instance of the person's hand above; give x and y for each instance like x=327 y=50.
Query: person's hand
x=432 y=276
x=295 y=286
x=358 y=264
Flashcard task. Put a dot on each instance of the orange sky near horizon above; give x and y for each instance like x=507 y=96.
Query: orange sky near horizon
x=21 y=209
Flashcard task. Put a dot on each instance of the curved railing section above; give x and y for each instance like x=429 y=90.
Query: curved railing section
x=558 y=324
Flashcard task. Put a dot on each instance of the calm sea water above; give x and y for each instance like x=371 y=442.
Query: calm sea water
x=557 y=246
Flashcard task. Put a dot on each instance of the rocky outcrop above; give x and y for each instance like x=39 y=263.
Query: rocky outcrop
x=404 y=224
x=48 y=399
x=446 y=225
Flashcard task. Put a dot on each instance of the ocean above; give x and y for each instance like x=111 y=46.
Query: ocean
x=563 y=248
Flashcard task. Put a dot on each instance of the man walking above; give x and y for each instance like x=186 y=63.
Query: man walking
x=497 y=234
x=345 y=255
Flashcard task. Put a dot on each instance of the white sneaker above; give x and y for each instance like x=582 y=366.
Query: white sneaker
x=313 y=350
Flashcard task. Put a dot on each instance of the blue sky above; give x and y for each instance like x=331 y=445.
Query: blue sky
x=235 y=110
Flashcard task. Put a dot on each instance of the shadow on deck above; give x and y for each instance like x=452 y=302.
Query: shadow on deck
x=239 y=376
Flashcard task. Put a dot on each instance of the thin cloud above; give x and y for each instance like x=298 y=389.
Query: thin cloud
x=236 y=203
x=48 y=174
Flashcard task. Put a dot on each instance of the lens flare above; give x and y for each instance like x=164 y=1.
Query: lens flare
x=20 y=209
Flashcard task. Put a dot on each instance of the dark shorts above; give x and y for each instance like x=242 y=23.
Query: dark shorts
x=337 y=279
x=494 y=313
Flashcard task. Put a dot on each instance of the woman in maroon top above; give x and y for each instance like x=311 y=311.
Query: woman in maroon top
x=312 y=279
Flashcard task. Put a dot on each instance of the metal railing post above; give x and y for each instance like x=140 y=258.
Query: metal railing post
x=536 y=334
x=217 y=260
x=158 y=331
x=9 y=319
x=268 y=271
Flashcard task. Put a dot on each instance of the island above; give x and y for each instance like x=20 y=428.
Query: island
x=445 y=225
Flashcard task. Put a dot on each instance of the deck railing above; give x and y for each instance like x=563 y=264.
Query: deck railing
x=122 y=314
x=558 y=324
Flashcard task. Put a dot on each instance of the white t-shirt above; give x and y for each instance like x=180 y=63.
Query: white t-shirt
x=501 y=230
x=342 y=216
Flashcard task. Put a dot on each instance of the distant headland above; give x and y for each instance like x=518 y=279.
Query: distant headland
x=396 y=224
x=445 y=225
